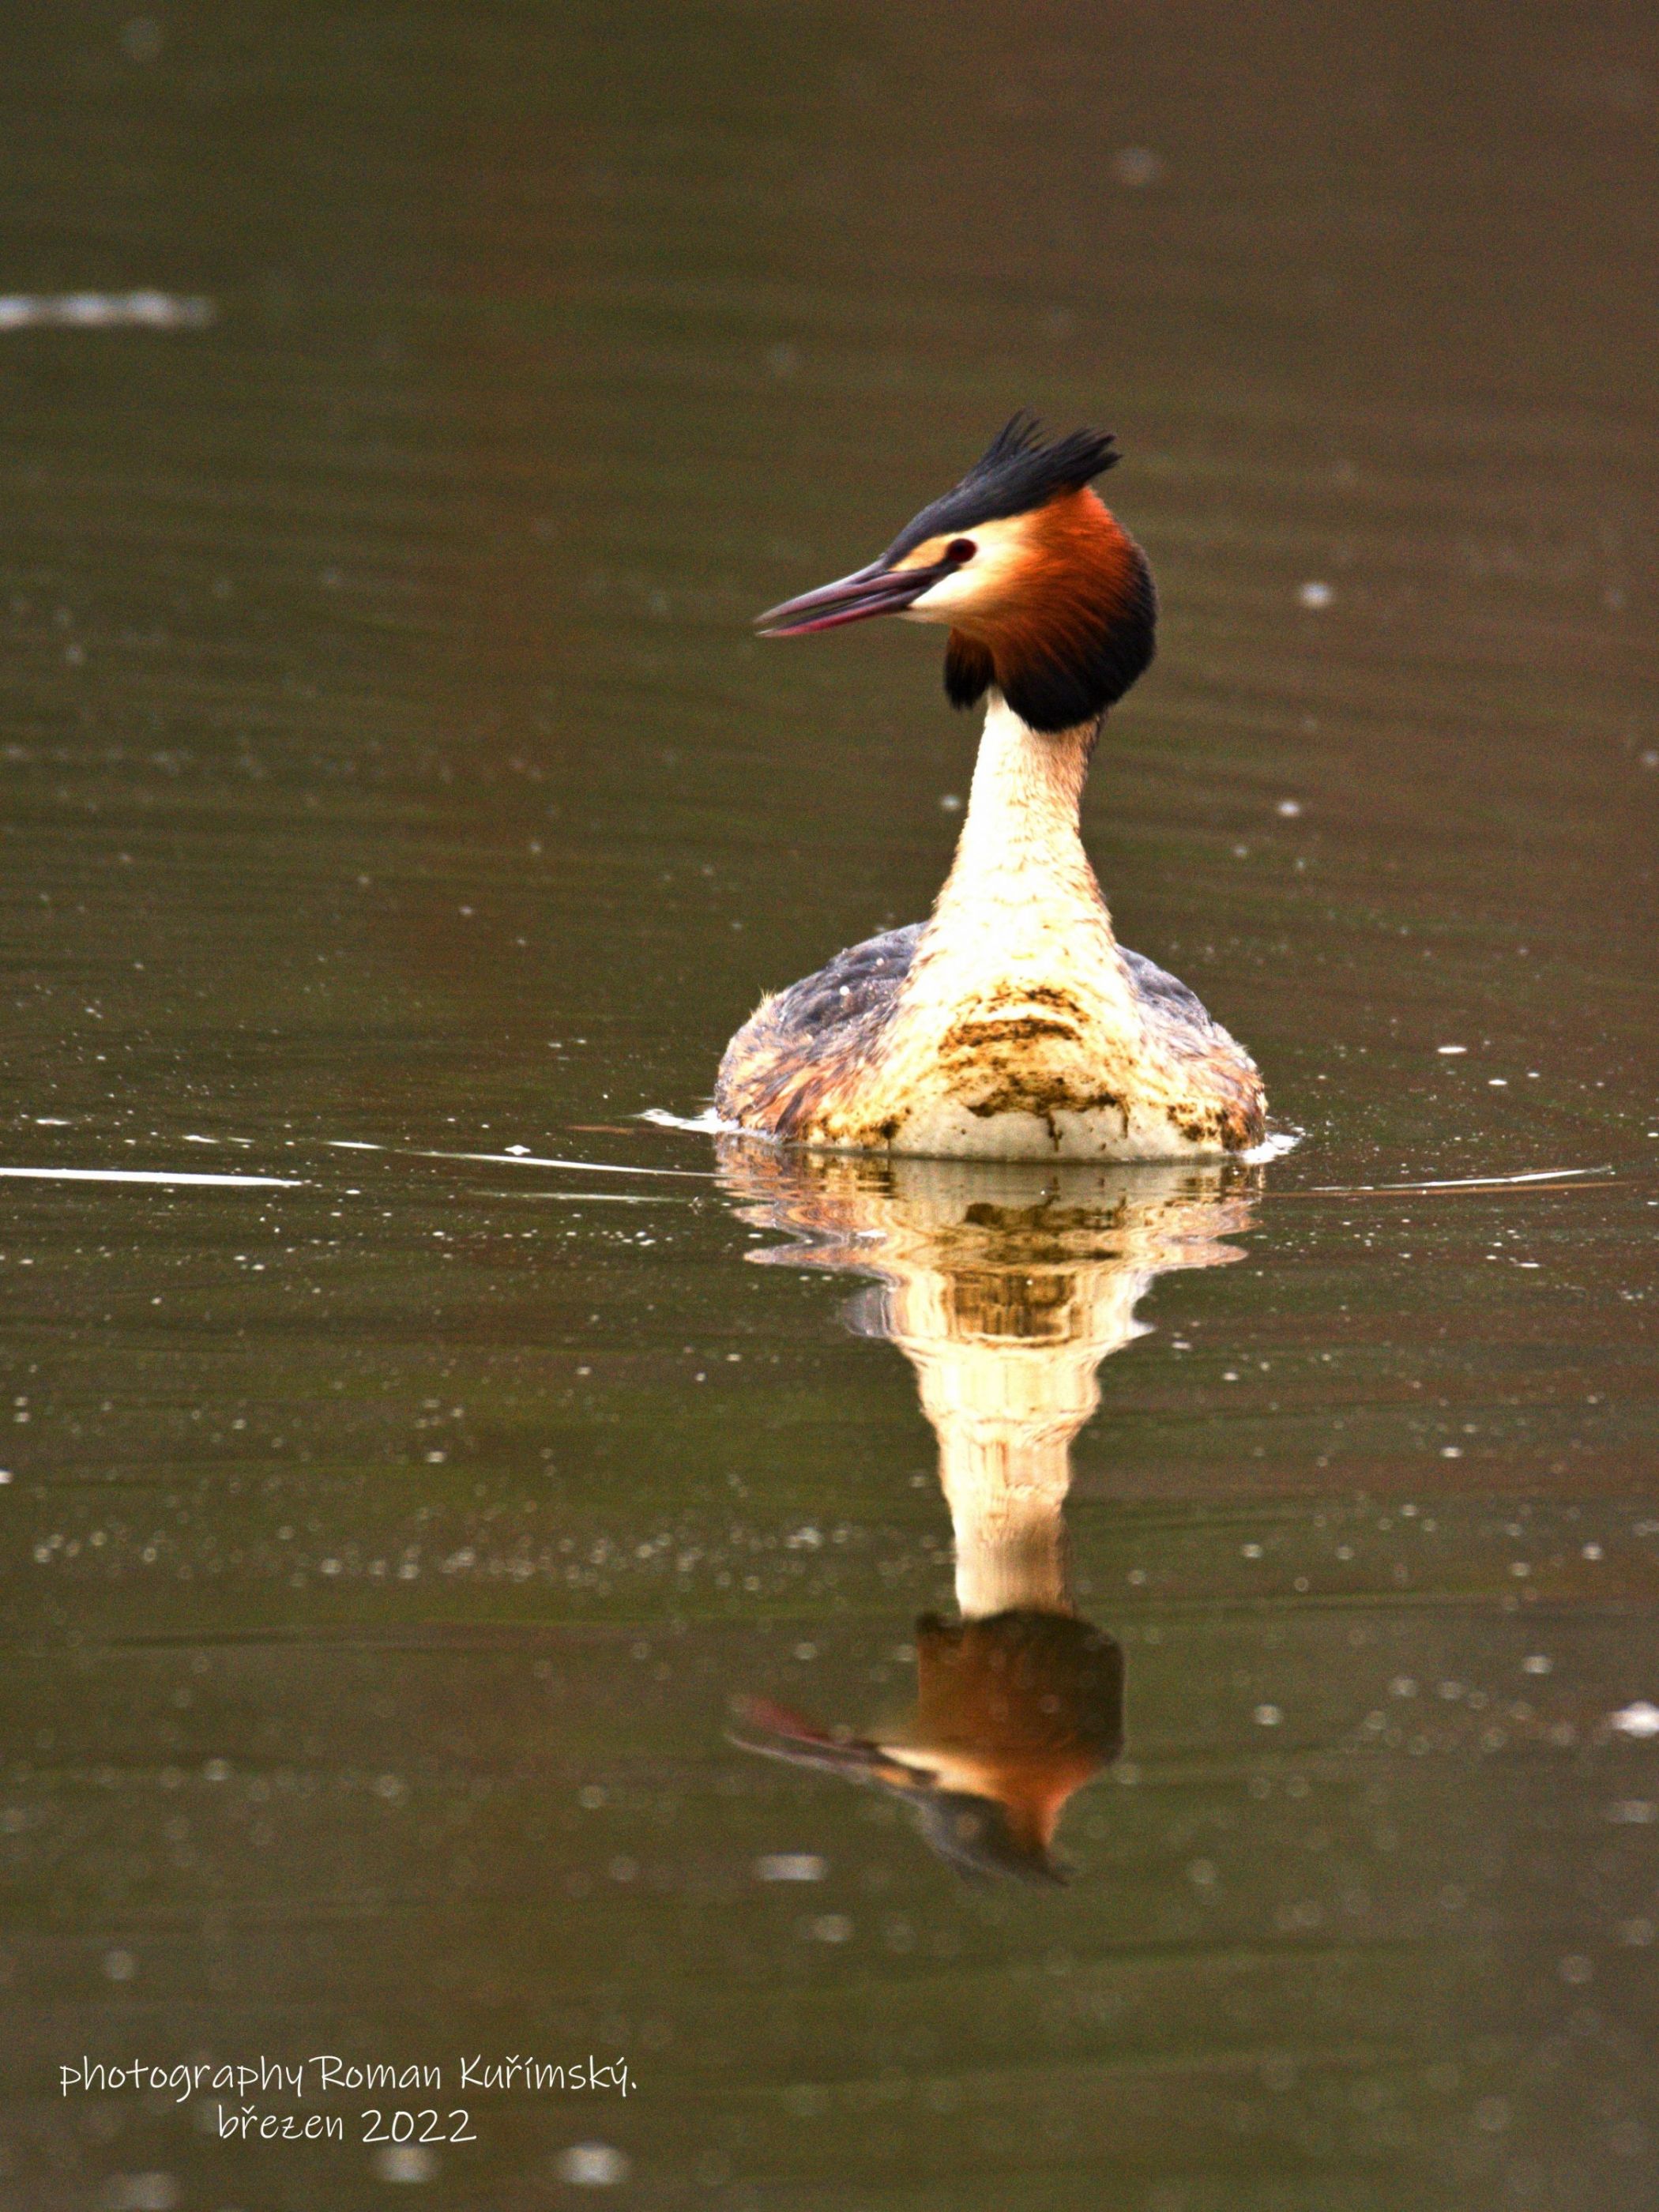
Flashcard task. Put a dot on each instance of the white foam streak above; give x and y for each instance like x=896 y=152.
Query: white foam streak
x=155 y=1176
x=1273 y=1146
x=104 y=311
x=598 y=1197
x=706 y=1124
x=1457 y=1182
x=580 y=1167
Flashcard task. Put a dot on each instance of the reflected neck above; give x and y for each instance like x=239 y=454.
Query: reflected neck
x=1005 y=1493
x=1006 y=1416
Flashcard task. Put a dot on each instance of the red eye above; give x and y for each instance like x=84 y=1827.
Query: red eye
x=960 y=550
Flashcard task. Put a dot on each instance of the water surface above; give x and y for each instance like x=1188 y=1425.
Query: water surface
x=396 y=1548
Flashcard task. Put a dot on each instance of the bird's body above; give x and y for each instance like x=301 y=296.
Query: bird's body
x=1011 y=1024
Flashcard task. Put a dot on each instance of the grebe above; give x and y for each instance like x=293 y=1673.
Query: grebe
x=1013 y=1024
x=1005 y=1285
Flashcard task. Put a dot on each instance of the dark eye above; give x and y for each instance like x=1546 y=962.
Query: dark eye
x=960 y=550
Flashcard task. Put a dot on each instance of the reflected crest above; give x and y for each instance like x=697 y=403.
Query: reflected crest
x=1005 y=1285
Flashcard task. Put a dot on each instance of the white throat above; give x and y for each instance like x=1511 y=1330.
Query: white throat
x=1021 y=850
x=1021 y=909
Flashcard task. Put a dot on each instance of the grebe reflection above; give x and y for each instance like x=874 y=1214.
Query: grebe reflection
x=1005 y=1285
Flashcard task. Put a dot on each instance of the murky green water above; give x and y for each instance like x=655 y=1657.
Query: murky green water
x=400 y=1555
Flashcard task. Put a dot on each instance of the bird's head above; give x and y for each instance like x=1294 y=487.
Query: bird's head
x=1045 y=595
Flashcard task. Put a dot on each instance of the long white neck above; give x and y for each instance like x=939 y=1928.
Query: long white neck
x=1021 y=912
x=1020 y=845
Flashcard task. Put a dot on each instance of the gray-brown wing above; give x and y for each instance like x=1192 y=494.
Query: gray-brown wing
x=801 y=1041
x=1182 y=1017
x=1228 y=1108
x=857 y=984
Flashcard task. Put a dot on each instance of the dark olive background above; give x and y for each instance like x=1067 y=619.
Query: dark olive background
x=385 y=758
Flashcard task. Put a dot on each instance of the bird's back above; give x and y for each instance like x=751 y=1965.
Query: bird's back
x=806 y=1045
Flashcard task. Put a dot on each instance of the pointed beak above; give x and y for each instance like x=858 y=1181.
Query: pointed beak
x=876 y=590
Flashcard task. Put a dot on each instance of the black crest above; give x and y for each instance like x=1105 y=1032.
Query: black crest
x=1017 y=472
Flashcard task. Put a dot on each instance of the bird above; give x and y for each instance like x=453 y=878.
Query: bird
x=1011 y=1024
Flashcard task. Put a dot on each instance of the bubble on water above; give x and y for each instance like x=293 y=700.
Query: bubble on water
x=1640 y=1719
x=593 y=2166
x=1137 y=166
x=406 y=2162
x=119 y=1966
x=142 y=39
x=138 y=2192
x=791 y=1866
x=1315 y=593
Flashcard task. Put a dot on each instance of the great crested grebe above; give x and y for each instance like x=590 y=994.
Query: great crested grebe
x=1011 y=1025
